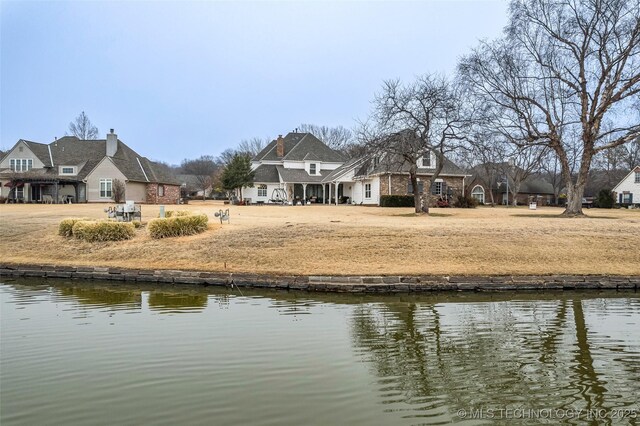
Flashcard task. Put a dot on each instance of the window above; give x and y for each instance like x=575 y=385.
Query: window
x=627 y=198
x=367 y=190
x=67 y=170
x=21 y=164
x=105 y=188
x=637 y=177
x=437 y=188
x=160 y=190
x=262 y=190
x=312 y=169
x=478 y=193
x=426 y=161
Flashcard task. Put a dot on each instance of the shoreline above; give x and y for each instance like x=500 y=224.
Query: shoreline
x=335 y=284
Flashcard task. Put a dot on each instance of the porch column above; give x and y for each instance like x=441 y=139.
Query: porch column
x=304 y=192
x=336 y=184
x=56 y=192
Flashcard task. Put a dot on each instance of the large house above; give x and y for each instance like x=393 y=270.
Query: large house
x=294 y=166
x=628 y=190
x=300 y=167
x=488 y=183
x=73 y=170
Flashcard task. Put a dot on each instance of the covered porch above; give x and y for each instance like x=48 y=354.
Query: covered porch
x=48 y=191
x=320 y=193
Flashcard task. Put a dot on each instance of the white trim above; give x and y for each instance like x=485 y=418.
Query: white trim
x=50 y=156
x=625 y=178
x=142 y=168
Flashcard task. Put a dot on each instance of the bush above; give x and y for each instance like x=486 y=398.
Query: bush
x=176 y=213
x=178 y=226
x=137 y=224
x=397 y=201
x=465 y=202
x=605 y=199
x=66 y=226
x=103 y=231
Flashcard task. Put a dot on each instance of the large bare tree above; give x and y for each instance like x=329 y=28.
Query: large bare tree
x=82 y=128
x=339 y=138
x=411 y=121
x=565 y=75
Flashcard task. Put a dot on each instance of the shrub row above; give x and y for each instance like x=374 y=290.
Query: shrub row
x=92 y=231
x=178 y=226
x=176 y=213
x=66 y=226
x=465 y=202
x=396 y=201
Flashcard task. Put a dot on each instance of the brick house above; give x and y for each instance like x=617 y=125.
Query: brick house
x=73 y=170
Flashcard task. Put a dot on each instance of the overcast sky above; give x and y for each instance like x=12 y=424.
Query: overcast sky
x=179 y=80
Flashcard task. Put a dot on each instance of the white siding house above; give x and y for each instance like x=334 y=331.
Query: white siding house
x=628 y=190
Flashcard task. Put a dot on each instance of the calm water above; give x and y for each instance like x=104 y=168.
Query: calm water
x=85 y=353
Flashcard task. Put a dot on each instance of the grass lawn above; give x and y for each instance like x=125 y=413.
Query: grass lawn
x=343 y=240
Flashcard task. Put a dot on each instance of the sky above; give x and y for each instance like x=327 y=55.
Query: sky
x=183 y=79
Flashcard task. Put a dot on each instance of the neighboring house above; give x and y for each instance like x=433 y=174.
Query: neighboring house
x=628 y=190
x=73 y=170
x=296 y=164
x=486 y=179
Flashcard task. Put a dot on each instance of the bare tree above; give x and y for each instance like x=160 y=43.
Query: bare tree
x=118 y=190
x=521 y=164
x=412 y=121
x=339 y=138
x=82 y=128
x=566 y=75
x=252 y=146
x=203 y=169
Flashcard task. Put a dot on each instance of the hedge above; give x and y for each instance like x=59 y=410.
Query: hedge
x=92 y=231
x=176 y=213
x=397 y=201
x=66 y=226
x=178 y=226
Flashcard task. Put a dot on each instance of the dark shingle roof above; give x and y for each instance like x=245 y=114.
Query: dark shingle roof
x=300 y=175
x=394 y=164
x=300 y=147
x=266 y=174
x=353 y=163
x=86 y=154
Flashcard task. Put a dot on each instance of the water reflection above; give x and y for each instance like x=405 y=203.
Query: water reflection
x=365 y=359
x=177 y=302
x=432 y=358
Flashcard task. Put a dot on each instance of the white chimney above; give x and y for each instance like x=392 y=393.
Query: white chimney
x=112 y=144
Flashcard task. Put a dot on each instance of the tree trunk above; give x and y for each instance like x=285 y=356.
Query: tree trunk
x=514 y=192
x=416 y=192
x=574 y=199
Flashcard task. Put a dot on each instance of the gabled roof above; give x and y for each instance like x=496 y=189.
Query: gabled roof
x=87 y=154
x=394 y=164
x=345 y=168
x=634 y=170
x=300 y=147
x=300 y=175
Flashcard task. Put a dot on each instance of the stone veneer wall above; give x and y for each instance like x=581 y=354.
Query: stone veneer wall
x=340 y=284
x=171 y=194
x=399 y=184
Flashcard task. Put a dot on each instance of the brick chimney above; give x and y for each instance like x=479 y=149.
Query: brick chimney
x=280 y=146
x=112 y=144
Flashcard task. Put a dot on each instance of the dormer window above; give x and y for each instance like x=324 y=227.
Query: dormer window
x=426 y=161
x=313 y=169
x=67 y=170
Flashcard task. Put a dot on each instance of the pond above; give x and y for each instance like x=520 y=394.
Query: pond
x=75 y=352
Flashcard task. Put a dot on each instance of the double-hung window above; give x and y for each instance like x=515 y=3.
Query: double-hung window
x=106 y=188
x=312 y=168
x=637 y=177
x=262 y=190
x=367 y=190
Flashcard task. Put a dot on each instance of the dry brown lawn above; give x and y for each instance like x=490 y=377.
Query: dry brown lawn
x=344 y=240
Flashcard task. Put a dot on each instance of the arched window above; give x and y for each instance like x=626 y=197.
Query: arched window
x=478 y=193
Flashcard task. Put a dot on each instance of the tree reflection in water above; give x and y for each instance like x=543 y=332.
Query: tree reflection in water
x=432 y=359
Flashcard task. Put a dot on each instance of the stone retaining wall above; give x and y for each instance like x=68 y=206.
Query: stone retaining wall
x=343 y=284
